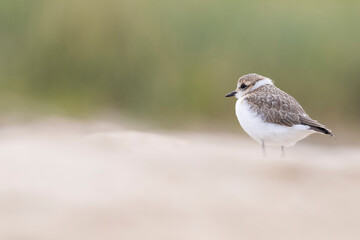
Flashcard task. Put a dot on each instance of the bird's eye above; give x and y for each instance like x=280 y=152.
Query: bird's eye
x=243 y=86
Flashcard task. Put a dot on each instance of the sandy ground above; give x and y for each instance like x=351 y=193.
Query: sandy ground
x=66 y=180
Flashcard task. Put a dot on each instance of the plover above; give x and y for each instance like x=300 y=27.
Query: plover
x=269 y=115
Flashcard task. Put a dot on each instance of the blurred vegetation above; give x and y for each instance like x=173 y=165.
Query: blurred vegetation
x=175 y=60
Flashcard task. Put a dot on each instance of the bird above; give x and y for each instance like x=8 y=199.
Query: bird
x=271 y=116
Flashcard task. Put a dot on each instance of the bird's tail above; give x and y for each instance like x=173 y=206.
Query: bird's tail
x=316 y=126
x=323 y=130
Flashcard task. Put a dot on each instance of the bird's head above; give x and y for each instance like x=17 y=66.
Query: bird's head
x=248 y=83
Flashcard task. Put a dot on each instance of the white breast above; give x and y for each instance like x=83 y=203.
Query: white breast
x=272 y=134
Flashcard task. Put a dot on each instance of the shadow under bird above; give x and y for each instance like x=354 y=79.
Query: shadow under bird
x=271 y=116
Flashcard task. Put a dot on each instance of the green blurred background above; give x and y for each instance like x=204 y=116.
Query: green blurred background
x=172 y=62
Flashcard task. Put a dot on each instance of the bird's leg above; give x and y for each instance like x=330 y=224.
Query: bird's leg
x=282 y=152
x=263 y=148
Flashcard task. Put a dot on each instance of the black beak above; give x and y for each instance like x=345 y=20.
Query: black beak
x=231 y=94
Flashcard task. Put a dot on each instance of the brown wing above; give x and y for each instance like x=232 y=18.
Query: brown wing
x=276 y=106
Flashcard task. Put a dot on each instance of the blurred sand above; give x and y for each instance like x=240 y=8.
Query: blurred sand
x=72 y=180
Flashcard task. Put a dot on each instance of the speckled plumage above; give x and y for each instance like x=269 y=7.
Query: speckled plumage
x=276 y=106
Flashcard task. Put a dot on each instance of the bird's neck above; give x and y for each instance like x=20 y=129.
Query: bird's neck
x=263 y=82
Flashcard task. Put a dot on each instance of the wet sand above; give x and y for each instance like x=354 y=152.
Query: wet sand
x=71 y=180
